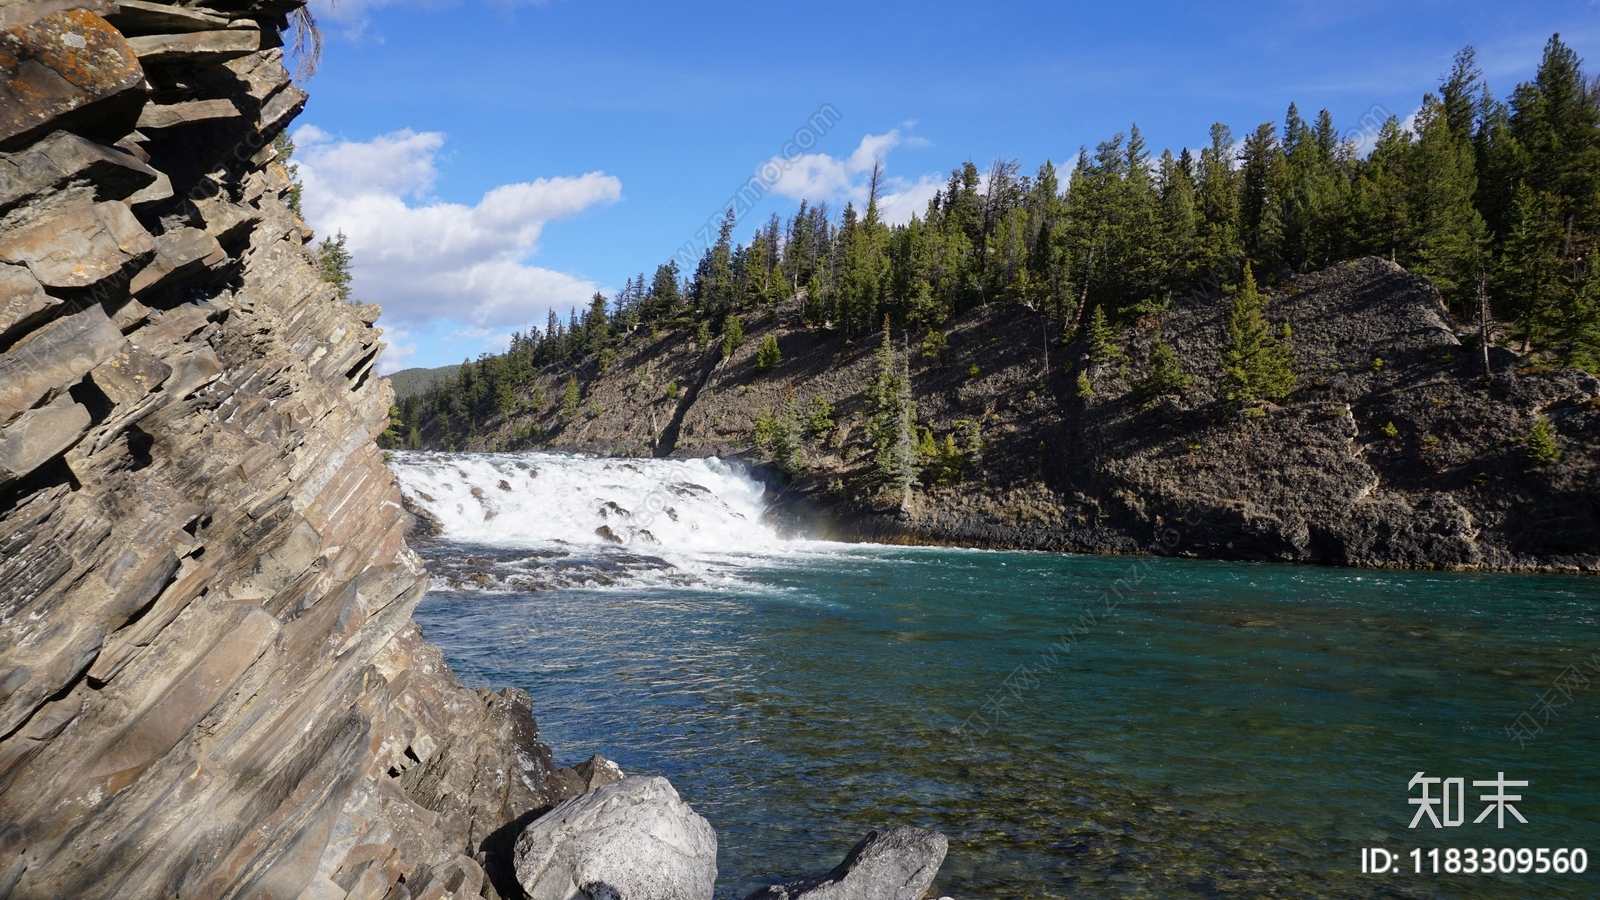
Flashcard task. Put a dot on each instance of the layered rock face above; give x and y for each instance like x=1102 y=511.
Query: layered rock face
x=210 y=685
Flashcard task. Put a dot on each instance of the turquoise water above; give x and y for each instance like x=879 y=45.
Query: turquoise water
x=1224 y=729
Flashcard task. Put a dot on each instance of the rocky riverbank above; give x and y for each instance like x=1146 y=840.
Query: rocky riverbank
x=1393 y=450
x=210 y=684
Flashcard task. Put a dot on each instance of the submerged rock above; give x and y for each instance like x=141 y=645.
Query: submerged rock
x=632 y=840
x=887 y=865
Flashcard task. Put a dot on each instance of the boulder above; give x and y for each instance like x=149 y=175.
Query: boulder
x=887 y=865
x=632 y=840
x=597 y=771
x=130 y=375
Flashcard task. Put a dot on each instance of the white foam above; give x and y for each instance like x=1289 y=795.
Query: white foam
x=655 y=506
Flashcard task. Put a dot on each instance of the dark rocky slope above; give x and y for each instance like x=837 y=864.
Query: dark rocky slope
x=210 y=685
x=1316 y=479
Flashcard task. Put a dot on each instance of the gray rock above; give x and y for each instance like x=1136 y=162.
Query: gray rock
x=53 y=357
x=209 y=681
x=64 y=157
x=91 y=84
x=887 y=865
x=192 y=112
x=39 y=436
x=139 y=17
x=196 y=47
x=21 y=298
x=180 y=253
x=82 y=247
x=632 y=840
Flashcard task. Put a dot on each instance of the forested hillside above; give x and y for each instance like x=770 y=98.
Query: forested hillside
x=1479 y=194
x=1070 y=362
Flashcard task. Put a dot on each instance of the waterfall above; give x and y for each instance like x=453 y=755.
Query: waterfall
x=537 y=520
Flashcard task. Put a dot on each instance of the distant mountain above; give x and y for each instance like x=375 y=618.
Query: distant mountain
x=411 y=382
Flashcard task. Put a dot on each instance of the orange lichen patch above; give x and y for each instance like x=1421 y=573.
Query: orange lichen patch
x=66 y=69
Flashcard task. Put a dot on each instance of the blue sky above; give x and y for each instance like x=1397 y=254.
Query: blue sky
x=490 y=159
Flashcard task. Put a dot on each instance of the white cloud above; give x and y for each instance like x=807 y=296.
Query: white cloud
x=907 y=199
x=398 y=351
x=819 y=176
x=425 y=259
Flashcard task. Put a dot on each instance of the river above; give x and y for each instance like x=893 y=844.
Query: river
x=1114 y=727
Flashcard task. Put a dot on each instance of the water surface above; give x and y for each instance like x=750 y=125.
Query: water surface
x=1221 y=729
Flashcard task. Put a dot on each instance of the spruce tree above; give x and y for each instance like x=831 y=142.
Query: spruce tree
x=1261 y=195
x=1531 y=270
x=1166 y=377
x=1314 y=192
x=285 y=148
x=1380 y=213
x=1179 y=235
x=893 y=447
x=1102 y=338
x=1217 y=205
x=1256 y=365
x=569 y=400
x=596 y=326
x=769 y=354
x=1443 y=183
x=781 y=436
x=732 y=335
x=333 y=263
x=1580 y=328
x=1542 y=447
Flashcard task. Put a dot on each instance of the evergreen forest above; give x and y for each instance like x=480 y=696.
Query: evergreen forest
x=1495 y=199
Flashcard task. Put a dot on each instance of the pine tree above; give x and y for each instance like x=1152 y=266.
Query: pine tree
x=1580 y=328
x=769 y=355
x=1179 y=234
x=1443 y=182
x=569 y=400
x=947 y=462
x=1380 y=210
x=1315 y=192
x=596 y=327
x=1217 y=205
x=1261 y=195
x=1542 y=447
x=780 y=435
x=1256 y=365
x=1166 y=377
x=333 y=264
x=893 y=447
x=732 y=335
x=1531 y=270
x=665 y=300
x=1103 y=339
x=285 y=148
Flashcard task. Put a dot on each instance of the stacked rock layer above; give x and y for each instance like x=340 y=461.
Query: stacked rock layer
x=210 y=684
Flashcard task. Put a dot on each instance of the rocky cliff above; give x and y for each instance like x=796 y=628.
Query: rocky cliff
x=1393 y=450
x=210 y=684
